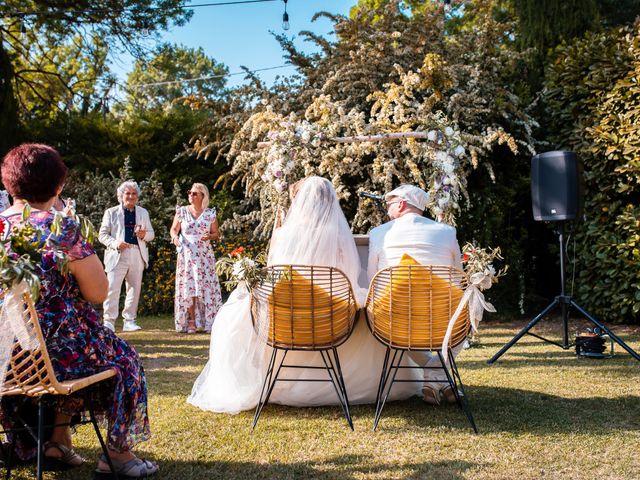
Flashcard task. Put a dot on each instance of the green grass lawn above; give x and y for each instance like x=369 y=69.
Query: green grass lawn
x=541 y=413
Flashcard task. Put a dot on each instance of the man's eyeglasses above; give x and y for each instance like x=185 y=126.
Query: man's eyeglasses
x=194 y=193
x=391 y=202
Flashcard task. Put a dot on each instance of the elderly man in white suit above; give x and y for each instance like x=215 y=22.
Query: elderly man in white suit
x=125 y=231
x=429 y=243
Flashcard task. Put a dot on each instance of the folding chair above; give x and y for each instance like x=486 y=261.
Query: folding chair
x=30 y=373
x=306 y=308
x=408 y=308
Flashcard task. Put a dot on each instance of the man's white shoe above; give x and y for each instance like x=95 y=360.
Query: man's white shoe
x=110 y=326
x=131 y=326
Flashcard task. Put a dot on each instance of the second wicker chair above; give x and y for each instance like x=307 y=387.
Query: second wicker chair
x=408 y=309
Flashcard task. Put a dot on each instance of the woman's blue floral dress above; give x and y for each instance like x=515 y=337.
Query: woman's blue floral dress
x=80 y=346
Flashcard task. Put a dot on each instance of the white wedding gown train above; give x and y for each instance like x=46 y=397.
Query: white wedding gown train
x=232 y=378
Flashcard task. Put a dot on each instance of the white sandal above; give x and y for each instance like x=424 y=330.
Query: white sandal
x=131 y=469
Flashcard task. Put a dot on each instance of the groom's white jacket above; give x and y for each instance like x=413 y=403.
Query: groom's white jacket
x=427 y=241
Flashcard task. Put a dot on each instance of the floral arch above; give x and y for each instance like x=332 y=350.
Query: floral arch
x=400 y=139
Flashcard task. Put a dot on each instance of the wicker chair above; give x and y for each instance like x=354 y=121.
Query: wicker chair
x=30 y=373
x=308 y=308
x=408 y=308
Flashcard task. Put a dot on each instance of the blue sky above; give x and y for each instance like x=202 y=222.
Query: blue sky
x=239 y=34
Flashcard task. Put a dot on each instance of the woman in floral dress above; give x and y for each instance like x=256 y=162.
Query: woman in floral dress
x=198 y=297
x=77 y=342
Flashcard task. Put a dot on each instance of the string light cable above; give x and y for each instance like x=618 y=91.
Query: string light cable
x=208 y=77
x=99 y=11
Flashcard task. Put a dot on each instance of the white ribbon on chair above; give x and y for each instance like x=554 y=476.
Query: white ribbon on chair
x=477 y=305
x=13 y=326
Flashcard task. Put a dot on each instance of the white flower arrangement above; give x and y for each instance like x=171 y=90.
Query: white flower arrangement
x=478 y=263
x=300 y=145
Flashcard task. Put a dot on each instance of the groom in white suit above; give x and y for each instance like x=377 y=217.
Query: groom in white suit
x=125 y=231
x=429 y=243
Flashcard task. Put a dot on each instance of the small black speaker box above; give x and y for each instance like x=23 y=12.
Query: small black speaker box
x=556 y=186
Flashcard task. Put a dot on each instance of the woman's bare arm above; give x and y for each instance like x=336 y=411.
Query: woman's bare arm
x=91 y=278
x=175 y=230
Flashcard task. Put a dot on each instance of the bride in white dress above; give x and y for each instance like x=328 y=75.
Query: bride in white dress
x=315 y=232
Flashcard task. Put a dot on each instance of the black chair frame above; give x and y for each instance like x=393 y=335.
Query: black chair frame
x=390 y=369
x=38 y=435
x=331 y=361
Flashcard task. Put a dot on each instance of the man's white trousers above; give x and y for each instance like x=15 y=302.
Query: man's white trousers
x=129 y=268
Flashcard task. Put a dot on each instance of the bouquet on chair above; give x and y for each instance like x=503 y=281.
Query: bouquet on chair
x=21 y=249
x=239 y=267
x=478 y=265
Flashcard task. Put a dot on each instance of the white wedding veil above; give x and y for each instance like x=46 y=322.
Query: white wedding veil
x=316 y=232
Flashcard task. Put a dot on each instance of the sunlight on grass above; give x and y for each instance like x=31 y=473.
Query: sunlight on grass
x=541 y=412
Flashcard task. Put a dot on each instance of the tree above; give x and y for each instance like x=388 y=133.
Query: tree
x=396 y=68
x=593 y=103
x=31 y=29
x=150 y=84
x=543 y=24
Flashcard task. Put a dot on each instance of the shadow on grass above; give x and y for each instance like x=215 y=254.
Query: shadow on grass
x=343 y=467
x=499 y=410
x=620 y=364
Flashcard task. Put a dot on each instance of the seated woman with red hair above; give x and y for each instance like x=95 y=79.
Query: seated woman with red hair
x=77 y=342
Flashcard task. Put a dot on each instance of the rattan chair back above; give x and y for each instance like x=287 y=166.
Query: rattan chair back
x=302 y=307
x=409 y=306
x=30 y=372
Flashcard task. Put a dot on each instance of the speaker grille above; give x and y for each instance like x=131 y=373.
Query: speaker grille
x=555 y=186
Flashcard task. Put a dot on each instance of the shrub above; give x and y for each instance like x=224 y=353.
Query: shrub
x=593 y=100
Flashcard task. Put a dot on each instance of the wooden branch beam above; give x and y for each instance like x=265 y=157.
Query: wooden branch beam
x=366 y=138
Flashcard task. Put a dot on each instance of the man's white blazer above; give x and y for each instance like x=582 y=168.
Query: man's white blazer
x=112 y=234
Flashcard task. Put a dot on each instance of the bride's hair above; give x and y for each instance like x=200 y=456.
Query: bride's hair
x=295 y=188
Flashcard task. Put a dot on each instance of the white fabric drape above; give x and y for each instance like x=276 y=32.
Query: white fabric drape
x=316 y=232
x=13 y=326
x=477 y=305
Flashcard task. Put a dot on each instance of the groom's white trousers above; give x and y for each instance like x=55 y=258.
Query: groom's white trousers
x=428 y=359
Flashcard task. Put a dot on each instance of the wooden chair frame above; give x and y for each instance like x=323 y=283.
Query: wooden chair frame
x=30 y=373
x=310 y=308
x=408 y=308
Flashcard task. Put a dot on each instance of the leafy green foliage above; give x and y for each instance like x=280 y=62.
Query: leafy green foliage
x=21 y=252
x=169 y=63
x=56 y=50
x=594 y=103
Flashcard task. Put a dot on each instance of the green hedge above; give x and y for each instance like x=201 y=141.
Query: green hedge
x=593 y=99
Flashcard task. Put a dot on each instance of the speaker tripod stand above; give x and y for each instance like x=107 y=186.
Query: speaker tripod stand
x=565 y=302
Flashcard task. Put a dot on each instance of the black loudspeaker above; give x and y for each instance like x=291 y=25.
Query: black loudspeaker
x=556 y=186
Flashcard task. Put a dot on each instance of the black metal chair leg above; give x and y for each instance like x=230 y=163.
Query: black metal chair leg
x=344 y=386
x=455 y=379
x=335 y=381
x=380 y=384
x=8 y=463
x=384 y=378
x=272 y=381
x=40 y=456
x=333 y=377
x=395 y=369
x=335 y=373
x=103 y=445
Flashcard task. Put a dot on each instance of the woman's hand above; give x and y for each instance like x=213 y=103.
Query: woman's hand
x=175 y=240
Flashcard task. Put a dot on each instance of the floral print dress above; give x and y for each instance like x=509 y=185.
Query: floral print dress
x=196 y=272
x=79 y=346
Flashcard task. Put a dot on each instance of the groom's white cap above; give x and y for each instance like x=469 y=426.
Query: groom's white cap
x=413 y=195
